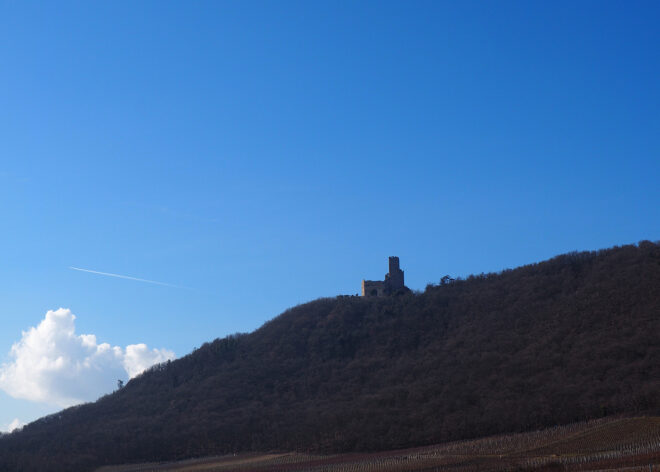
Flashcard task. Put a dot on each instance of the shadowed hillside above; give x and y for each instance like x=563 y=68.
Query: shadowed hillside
x=565 y=340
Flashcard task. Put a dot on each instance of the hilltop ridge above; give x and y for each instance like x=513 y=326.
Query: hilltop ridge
x=569 y=339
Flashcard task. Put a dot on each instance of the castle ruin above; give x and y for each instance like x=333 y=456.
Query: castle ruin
x=393 y=282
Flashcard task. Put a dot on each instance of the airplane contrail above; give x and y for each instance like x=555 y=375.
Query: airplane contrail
x=128 y=277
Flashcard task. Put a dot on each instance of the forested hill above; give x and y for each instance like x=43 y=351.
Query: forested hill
x=571 y=338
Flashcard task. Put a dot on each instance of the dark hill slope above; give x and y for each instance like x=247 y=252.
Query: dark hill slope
x=572 y=338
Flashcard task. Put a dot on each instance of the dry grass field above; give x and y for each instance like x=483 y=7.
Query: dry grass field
x=623 y=444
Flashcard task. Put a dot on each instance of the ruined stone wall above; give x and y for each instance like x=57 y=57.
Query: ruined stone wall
x=373 y=288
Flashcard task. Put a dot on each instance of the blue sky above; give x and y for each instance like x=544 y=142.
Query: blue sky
x=263 y=154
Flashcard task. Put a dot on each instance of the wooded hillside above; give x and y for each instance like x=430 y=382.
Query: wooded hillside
x=568 y=339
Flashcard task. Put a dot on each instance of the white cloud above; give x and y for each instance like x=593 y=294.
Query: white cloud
x=52 y=364
x=139 y=358
x=16 y=424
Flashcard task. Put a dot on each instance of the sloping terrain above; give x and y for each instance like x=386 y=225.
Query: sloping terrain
x=621 y=444
x=566 y=340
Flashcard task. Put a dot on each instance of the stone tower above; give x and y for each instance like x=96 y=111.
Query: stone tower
x=395 y=276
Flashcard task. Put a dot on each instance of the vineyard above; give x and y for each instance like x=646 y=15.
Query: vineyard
x=630 y=444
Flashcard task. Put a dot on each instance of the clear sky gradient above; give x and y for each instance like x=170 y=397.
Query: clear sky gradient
x=263 y=154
